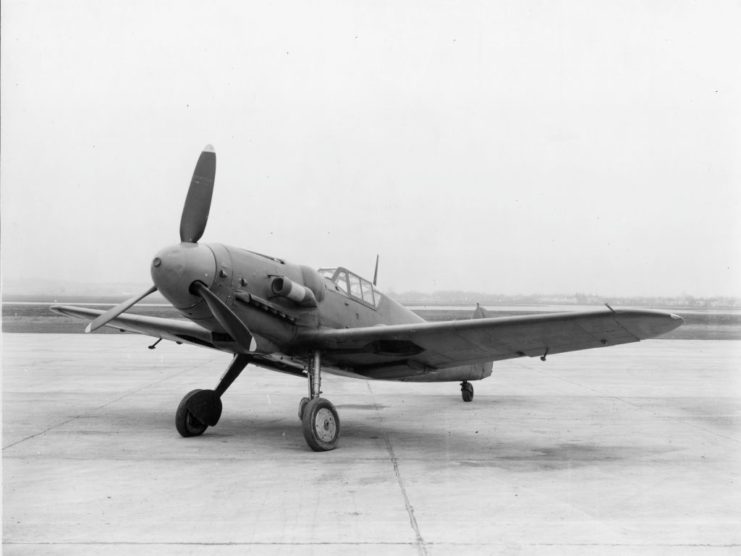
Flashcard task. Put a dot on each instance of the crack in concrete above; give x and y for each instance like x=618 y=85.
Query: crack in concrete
x=420 y=542
x=98 y=408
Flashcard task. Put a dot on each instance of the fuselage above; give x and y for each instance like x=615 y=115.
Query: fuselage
x=274 y=298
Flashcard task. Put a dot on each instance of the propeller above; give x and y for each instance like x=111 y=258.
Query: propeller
x=198 y=202
x=113 y=312
x=225 y=316
x=192 y=224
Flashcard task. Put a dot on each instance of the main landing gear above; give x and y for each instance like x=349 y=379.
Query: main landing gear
x=200 y=409
x=319 y=418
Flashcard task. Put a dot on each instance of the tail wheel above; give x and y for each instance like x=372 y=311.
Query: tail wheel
x=321 y=425
x=467 y=391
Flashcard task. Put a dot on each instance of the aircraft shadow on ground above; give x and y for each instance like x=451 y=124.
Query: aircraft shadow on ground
x=432 y=441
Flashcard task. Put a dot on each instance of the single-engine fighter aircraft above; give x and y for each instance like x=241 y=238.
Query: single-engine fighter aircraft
x=297 y=320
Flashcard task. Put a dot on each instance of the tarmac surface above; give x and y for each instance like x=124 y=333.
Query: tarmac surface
x=630 y=449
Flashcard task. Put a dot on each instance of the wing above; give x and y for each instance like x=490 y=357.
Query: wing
x=415 y=349
x=183 y=331
x=175 y=330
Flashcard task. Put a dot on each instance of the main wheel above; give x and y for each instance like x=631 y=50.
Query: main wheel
x=198 y=410
x=301 y=408
x=321 y=425
x=467 y=391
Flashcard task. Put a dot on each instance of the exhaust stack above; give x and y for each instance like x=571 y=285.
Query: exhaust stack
x=285 y=287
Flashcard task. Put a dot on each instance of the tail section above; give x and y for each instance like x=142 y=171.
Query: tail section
x=480 y=370
x=479 y=312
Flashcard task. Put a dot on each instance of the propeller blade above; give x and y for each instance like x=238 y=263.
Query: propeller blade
x=225 y=316
x=198 y=202
x=113 y=312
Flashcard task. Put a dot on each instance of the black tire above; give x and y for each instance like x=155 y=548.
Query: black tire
x=321 y=425
x=467 y=391
x=185 y=422
x=301 y=408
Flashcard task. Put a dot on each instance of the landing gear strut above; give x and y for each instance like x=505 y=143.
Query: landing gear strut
x=319 y=418
x=201 y=409
x=467 y=391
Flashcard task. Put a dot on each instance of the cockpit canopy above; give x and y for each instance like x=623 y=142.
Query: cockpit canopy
x=352 y=285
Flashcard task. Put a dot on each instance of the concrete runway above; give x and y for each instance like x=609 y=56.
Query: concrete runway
x=630 y=449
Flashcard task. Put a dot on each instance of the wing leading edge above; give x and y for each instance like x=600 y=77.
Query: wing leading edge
x=182 y=331
x=176 y=330
x=415 y=349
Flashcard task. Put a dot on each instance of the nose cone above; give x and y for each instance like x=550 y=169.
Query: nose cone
x=176 y=267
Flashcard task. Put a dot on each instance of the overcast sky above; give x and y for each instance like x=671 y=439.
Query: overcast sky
x=513 y=147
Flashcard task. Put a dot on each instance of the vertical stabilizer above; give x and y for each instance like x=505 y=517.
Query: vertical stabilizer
x=481 y=369
x=479 y=312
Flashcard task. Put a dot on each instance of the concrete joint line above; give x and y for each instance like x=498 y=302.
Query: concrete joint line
x=420 y=542
x=98 y=408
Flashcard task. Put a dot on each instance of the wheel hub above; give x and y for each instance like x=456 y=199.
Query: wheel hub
x=325 y=425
